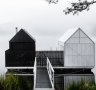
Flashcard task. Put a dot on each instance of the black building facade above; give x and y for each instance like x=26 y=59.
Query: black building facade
x=21 y=52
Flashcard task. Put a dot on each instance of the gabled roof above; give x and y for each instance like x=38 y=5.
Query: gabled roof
x=67 y=34
x=22 y=36
x=70 y=32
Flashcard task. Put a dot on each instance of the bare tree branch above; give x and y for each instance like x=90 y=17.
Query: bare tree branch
x=79 y=7
x=52 y=1
x=76 y=7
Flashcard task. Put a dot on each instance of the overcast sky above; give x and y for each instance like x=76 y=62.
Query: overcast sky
x=46 y=23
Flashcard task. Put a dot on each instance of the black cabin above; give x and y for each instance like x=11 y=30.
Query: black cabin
x=21 y=52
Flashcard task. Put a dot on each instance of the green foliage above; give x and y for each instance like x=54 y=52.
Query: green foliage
x=2 y=83
x=93 y=87
x=82 y=85
x=12 y=82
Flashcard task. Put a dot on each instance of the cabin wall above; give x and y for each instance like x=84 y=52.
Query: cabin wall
x=79 y=51
x=22 y=46
x=56 y=57
x=19 y=58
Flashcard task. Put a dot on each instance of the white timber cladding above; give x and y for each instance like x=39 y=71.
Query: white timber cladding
x=79 y=50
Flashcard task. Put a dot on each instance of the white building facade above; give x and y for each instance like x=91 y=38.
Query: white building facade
x=79 y=49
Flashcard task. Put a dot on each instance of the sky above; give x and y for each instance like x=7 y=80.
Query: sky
x=45 y=22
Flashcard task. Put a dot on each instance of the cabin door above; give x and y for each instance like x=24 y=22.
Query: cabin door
x=41 y=59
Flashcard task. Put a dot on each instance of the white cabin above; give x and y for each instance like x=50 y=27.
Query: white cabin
x=79 y=49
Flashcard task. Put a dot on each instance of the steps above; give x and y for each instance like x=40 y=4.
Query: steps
x=41 y=76
x=42 y=79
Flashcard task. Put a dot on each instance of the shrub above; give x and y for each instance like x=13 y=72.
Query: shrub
x=12 y=82
x=82 y=85
x=2 y=83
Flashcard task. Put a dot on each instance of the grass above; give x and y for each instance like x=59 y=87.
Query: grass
x=82 y=85
x=12 y=82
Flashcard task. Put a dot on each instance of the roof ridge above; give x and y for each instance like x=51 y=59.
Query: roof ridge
x=22 y=36
x=70 y=32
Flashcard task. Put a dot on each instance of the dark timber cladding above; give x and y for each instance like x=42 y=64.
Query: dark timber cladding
x=21 y=50
x=56 y=58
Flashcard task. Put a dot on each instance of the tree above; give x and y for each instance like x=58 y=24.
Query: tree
x=76 y=7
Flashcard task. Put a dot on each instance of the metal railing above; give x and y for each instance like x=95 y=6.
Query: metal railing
x=50 y=72
x=35 y=71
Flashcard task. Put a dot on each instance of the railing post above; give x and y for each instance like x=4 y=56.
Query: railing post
x=50 y=72
x=53 y=79
x=35 y=70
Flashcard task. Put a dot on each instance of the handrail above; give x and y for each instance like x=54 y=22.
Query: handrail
x=50 y=72
x=35 y=71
